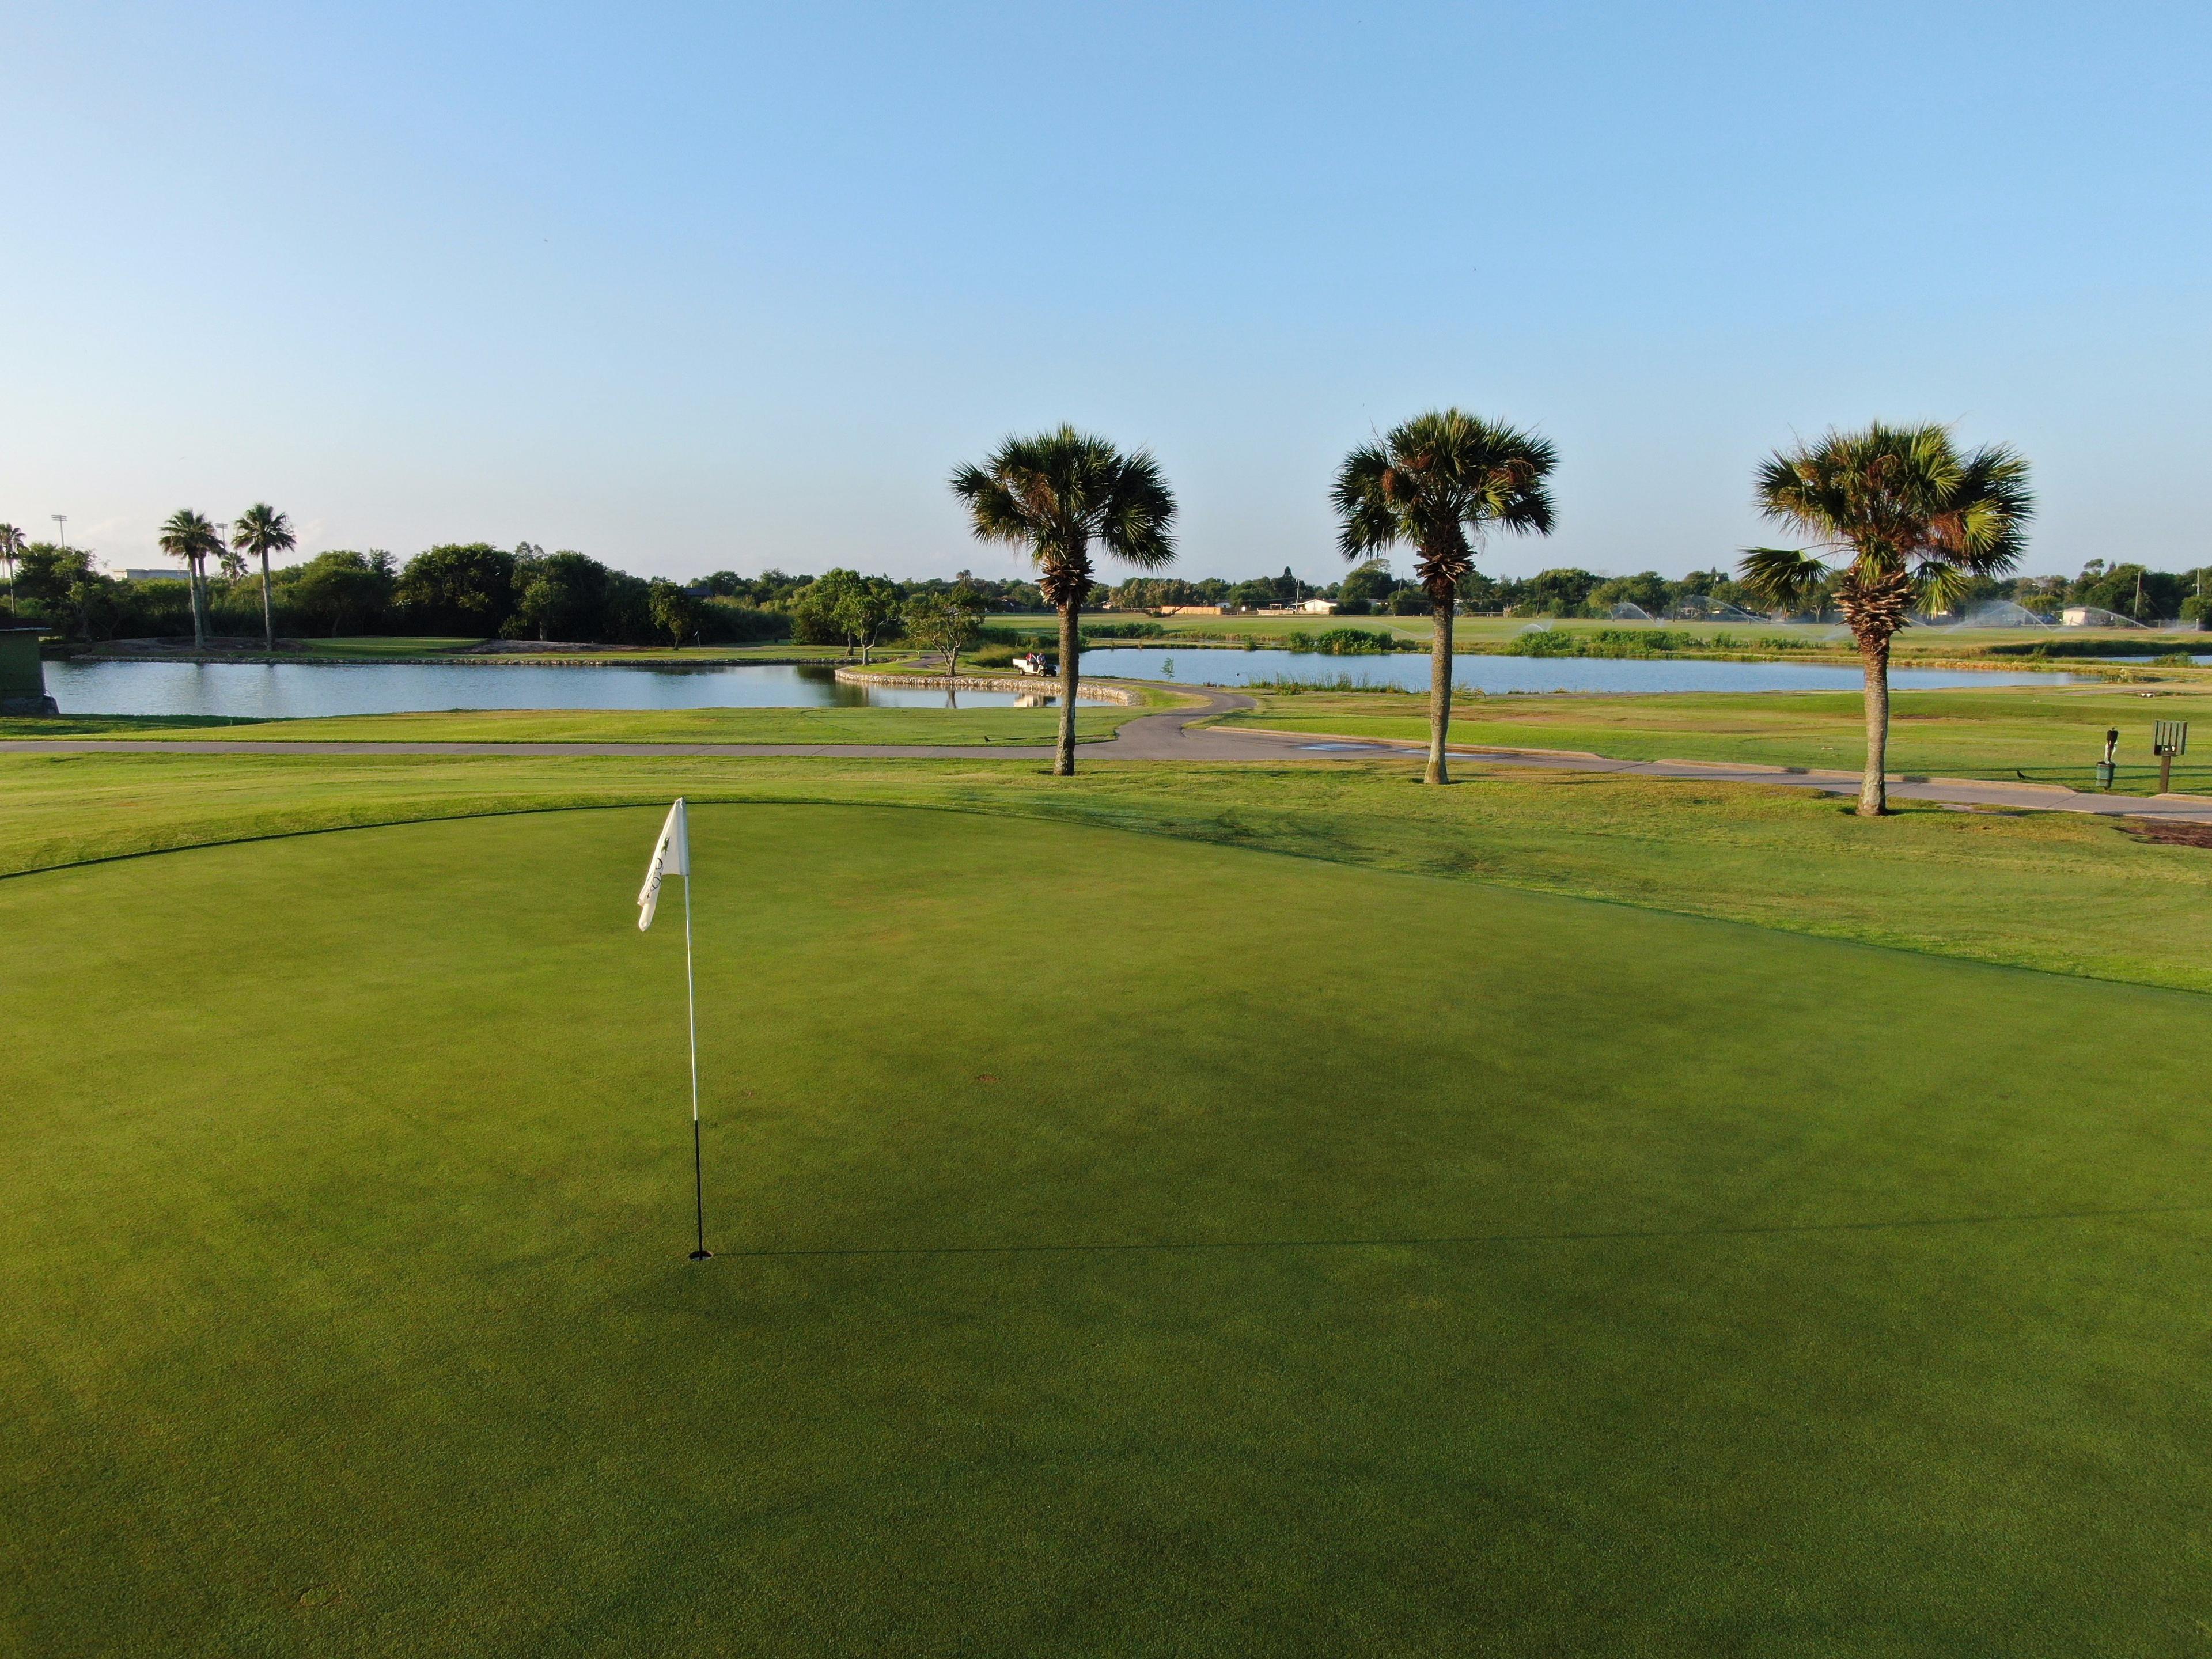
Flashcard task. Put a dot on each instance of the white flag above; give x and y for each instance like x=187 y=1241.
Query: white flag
x=672 y=856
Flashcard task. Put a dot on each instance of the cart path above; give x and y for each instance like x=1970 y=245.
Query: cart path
x=1172 y=736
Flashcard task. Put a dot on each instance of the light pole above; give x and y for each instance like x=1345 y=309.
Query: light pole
x=61 y=522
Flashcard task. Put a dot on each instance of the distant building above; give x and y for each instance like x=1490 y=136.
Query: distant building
x=153 y=575
x=1318 y=607
x=1194 y=610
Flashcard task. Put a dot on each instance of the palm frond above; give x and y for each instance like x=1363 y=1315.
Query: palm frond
x=1439 y=482
x=262 y=530
x=1058 y=491
x=1939 y=586
x=1893 y=498
x=1783 y=576
x=1367 y=515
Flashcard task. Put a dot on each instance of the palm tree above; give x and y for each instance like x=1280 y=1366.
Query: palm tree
x=188 y=535
x=12 y=544
x=1053 y=495
x=1909 y=520
x=261 y=529
x=1439 y=483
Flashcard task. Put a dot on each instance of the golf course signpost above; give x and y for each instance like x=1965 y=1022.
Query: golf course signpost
x=2168 y=739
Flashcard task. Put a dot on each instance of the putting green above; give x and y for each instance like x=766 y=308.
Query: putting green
x=1271 y=1257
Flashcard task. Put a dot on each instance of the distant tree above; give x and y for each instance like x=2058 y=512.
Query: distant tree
x=1251 y=596
x=1438 y=484
x=1647 y=592
x=727 y=585
x=1905 y=517
x=1556 y=593
x=462 y=587
x=12 y=544
x=814 y=608
x=2129 y=590
x=339 y=588
x=92 y=606
x=1052 y=496
x=560 y=596
x=868 y=607
x=945 y=623
x=675 y=612
x=1479 y=592
x=261 y=530
x=188 y=535
x=45 y=573
x=1368 y=586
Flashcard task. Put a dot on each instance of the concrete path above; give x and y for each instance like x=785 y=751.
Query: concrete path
x=1170 y=737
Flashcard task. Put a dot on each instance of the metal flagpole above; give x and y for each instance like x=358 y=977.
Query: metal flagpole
x=691 y=1005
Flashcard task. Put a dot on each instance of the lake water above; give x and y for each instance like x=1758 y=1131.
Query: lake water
x=291 y=690
x=1406 y=671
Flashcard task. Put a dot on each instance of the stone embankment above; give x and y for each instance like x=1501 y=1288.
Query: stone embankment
x=1127 y=697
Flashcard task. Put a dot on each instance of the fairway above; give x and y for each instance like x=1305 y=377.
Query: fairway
x=1127 y=1245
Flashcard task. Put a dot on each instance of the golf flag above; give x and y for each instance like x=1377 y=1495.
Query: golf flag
x=672 y=856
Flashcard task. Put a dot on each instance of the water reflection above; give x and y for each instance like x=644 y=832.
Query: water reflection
x=295 y=690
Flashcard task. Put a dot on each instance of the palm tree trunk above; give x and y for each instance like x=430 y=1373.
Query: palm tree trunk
x=1874 y=790
x=199 y=608
x=268 y=611
x=1063 y=760
x=1440 y=688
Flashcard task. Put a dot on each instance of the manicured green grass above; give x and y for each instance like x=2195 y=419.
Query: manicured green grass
x=832 y=725
x=1496 y=633
x=1298 y=1259
x=2056 y=734
x=2038 y=890
x=112 y=726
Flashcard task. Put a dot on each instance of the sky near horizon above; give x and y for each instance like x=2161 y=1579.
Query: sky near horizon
x=693 y=288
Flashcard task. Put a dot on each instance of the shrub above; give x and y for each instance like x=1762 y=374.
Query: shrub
x=1351 y=642
x=1546 y=642
x=1127 y=630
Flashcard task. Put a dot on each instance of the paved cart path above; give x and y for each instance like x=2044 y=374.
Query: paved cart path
x=1172 y=736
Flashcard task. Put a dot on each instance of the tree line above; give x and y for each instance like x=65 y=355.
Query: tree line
x=1895 y=521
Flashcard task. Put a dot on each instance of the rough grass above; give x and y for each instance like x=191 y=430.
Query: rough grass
x=1127 y=1247
x=2047 y=890
x=2056 y=735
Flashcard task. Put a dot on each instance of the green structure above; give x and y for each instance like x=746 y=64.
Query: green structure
x=22 y=680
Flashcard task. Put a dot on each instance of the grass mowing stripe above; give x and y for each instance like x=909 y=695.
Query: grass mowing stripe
x=1611 y=1235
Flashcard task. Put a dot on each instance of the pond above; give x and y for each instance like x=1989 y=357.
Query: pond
x=1407 y=671
x=296 y=690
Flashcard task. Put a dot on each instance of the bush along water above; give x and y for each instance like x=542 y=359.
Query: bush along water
x=1345 y=642
x=1640 y=642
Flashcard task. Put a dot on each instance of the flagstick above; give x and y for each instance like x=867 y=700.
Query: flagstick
x=691 y=1005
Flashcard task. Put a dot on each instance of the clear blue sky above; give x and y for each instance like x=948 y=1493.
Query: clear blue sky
x=692 y=287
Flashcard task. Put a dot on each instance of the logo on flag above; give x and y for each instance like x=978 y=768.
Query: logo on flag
x=672 y=856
